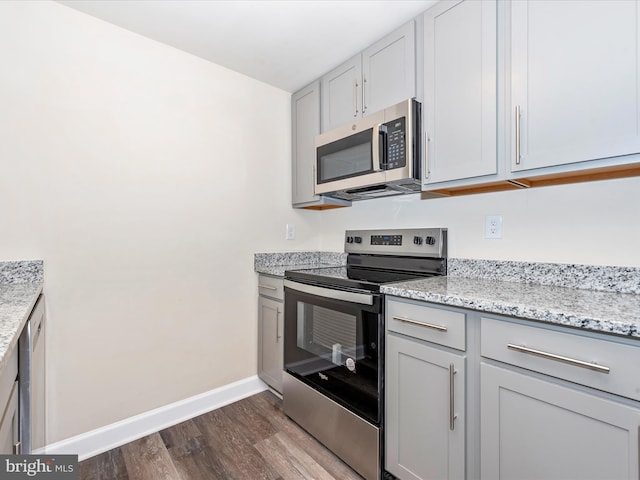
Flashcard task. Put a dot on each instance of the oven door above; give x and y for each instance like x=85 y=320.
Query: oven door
x=333 y=343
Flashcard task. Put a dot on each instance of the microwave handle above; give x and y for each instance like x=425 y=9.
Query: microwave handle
x=379 y=136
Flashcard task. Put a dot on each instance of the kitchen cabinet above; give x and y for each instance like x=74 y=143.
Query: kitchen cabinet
x=270 y=330
x=31 y=367
x=460 y=71
x=425 y=391
x=305 y=119
x=567 y=75
x=543 y=410
x=382 y=75
x=574 y=82
x=9 y=420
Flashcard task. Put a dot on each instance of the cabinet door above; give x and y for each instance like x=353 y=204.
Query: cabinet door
x=389 y=70
x=535 y=429
x=270 y=342
x=421 y=395
x=341 y=102
x=574 y=81
x=9 y=433
x=305 y=117
x=460 y=90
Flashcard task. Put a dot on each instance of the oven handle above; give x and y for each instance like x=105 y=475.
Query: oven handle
x=354 y=297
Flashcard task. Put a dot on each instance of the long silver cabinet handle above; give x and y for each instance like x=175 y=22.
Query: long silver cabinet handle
x=355 y=98
x=268 y=287
x=364 y=105
x=277 y=325
x=559 y=358
x=452 y=415
x=439 y=328
x=517 y=134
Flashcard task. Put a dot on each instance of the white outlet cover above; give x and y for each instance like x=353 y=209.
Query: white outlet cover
x=290 y=231
x=493 y=226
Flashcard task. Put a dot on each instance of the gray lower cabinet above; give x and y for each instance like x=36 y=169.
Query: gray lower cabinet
x=425 y=393
x=271 y=331
x=472 y=395
x=9 y=420
x=536 y=429
x=547 y=408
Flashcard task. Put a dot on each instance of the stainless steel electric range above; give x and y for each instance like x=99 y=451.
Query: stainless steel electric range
x=334 y=339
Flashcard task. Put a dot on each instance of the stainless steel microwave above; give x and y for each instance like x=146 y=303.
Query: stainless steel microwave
x=376 y=156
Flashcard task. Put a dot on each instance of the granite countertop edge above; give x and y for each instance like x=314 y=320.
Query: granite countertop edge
x=602 y=312
x=275 y=264
x=21 y=283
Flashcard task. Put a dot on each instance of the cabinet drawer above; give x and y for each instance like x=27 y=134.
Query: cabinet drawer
x=595 y=362
x=8 y=377
x=433 y=324
x=271 y=286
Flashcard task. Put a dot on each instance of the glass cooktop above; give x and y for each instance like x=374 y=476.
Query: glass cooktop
x=351 y=277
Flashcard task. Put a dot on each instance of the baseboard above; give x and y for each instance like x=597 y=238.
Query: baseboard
x=102 y=439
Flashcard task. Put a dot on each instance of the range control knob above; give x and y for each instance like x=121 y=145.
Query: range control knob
x=430 y=240
x=349 y=239
x=357 y=239
x=417 y=240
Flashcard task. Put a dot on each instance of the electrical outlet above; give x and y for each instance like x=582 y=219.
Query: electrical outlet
x=493 y=226
x=290 y=231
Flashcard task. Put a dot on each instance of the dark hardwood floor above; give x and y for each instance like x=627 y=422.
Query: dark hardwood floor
x=248 y=440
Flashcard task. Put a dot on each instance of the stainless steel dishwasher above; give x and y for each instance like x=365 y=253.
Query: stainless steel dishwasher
x=31 y=371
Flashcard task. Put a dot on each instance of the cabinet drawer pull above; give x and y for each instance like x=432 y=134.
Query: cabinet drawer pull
x=268 y=287
x=559 y=358
x=440 y=328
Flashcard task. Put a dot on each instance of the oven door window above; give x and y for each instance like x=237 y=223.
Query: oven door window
x=333 y=346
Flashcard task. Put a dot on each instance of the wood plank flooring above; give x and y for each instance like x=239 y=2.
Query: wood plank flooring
x=248 y=440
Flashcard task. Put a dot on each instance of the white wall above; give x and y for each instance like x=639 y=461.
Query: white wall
x=589 y=223
x=146 y=179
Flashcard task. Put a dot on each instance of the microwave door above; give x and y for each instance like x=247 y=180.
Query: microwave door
x=350 y=162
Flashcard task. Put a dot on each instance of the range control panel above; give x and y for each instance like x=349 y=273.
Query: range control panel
x=414 y=242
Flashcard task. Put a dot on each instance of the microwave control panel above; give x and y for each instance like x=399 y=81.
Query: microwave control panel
x=396 y=143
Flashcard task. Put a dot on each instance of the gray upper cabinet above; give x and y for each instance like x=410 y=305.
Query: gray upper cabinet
x=460 y=90
x=305 y=119
x=574 y=82
x=383 y=75
x=342 y=101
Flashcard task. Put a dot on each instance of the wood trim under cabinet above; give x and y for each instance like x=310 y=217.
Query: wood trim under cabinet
x=565 y=178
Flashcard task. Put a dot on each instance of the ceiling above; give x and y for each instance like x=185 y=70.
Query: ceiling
x=285 y=43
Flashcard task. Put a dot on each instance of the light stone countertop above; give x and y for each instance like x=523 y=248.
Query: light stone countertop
x=20 y=286
x=592 y=297
x=599 y=311
x=276 y=264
